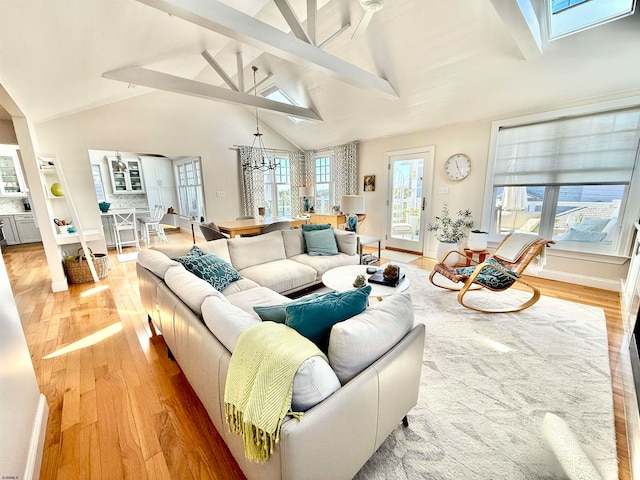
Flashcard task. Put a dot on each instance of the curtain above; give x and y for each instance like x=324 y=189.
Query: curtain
x=299 y=178
x=346 y=171
x=252 y=182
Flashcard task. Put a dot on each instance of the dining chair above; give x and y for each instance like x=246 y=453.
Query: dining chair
x=125 y=220
x=210 y=231
x=151 y=225
x=272 y=227
x=245 y=217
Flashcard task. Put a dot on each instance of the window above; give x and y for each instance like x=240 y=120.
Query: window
x=277 y=189
x=566 y=17
x=97 y=182
x=190 y=192
x=278 y=95
x=324 y=185
x=568 y=179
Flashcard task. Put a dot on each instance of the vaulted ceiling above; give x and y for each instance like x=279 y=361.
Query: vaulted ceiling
x=450 y=61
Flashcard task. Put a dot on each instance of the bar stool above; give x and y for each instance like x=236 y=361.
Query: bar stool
x=151 y=225
x=125 y=220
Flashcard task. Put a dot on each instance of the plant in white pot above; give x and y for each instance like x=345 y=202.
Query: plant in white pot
x=450 y=232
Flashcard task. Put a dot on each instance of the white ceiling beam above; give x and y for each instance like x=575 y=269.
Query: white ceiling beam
x=171 y=83
x=522 y=23
x=292 y=20
x=240 y=66
x=218 y=68
x=257 y=85
x=343 y=29
x=312 y=20
x=218 y=17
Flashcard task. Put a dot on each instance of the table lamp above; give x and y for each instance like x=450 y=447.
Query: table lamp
x=352 y=205
x=305 y=193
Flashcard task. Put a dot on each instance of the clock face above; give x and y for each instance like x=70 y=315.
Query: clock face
x=457 y=166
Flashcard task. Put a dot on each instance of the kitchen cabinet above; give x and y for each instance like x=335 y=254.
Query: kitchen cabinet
x=9 y=228
x=159 y=182
x=129 y=180
x=12 y=183
x=27 y=228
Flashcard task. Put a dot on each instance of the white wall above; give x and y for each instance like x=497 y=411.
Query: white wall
x=162 y=123
x=7 y=133
x=472 y=139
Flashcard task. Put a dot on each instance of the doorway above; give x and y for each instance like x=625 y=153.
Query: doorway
x=410 y=180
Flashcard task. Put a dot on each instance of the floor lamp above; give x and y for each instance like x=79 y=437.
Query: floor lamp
x=352 y=205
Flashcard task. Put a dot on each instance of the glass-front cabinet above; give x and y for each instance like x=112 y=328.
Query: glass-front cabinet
x=11 y=181
x=126 y=175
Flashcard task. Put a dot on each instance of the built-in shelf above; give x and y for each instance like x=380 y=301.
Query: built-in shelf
x=67 y=238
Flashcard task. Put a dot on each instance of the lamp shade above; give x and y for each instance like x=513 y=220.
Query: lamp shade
x=352 y=203
x=306 y=191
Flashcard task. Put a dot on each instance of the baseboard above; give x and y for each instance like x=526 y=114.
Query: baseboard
x=577 y=279
x=36 y=445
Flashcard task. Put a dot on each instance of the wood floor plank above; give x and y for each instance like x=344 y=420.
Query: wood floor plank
x=121 y=408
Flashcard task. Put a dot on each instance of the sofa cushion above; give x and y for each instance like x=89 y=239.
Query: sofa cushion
x=277 y=313
x=191 y=289
x=322 y=264
x=314 y=380
x=347 y=242
x=249 y=251
x=209 y=267
x=219 y=247
x=239 y=286
x=281 y=275
x=155 y=261
x=248 y=299
x=315 y=318
x=359 y=341
x=293 y=242
x=320 y=242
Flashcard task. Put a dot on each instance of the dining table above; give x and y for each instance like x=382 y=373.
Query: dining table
x=248 y=226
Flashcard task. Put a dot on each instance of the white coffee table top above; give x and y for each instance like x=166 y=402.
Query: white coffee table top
x=342 y=278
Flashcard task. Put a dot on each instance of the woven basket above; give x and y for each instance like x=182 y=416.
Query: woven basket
x=78 y=270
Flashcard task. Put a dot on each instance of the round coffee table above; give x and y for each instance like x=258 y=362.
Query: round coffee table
x=342 y=278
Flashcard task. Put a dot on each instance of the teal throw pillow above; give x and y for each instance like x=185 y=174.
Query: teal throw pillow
x=490 y=277
x=320 y=242
x=195 y=251
x=277 y=313
x=310 y=227
x=211 y=268
x=315 y=318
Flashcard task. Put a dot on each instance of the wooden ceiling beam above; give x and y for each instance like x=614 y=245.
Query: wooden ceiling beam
x=171 y=83
x=218 y=17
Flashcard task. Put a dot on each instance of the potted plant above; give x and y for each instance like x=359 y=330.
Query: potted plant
x=450 y=232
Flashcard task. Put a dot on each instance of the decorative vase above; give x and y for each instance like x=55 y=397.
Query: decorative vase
x=443 y=248
x=477 y=241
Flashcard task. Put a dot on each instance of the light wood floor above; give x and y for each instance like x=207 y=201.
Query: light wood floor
x=119 y=408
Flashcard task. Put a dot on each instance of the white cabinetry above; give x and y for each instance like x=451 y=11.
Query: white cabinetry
x=159 y=181
x=27 y=228
x=9 y=228
x=126 y=180
x=11 y=182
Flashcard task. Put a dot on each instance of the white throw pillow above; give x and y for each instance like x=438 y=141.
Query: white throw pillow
x=359 y=341
x=347 y=242
x=575 y=462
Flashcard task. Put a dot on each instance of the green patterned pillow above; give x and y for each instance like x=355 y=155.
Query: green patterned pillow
x=490 y=277
x=209 y=267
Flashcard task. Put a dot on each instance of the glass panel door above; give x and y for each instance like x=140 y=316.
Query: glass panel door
x=406 y=199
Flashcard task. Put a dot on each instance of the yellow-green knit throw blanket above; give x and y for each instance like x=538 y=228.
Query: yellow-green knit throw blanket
x=259 y=384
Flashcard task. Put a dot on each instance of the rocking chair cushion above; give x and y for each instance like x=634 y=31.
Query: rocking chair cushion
x=490 y=277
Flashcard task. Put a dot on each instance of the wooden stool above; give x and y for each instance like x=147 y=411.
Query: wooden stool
x=482 y=255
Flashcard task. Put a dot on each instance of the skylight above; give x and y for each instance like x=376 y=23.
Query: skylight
x=278 y=95
x=572 y=16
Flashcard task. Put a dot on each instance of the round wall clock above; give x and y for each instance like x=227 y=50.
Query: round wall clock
x=457 y=167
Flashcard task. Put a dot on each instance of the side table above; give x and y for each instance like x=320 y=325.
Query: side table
x=482 y=255
x=366 y=240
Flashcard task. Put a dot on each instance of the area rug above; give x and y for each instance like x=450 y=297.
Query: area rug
x=127 y=257
x=487 y=382
x=395 y=256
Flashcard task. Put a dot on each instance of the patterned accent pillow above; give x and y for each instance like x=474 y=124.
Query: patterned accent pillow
x=490 y=277
x=209 y=267
x=311 y=227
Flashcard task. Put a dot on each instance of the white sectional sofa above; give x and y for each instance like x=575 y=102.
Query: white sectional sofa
x=351 y=404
